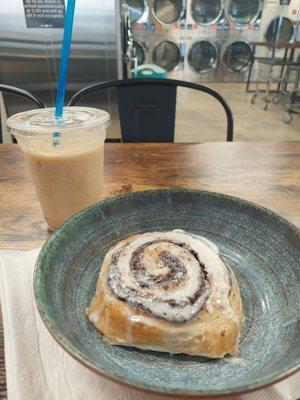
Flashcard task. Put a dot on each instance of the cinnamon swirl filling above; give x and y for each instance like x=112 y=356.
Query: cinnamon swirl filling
x=169 y=275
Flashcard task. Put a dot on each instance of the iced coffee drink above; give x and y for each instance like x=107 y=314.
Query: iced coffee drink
x=65 y=159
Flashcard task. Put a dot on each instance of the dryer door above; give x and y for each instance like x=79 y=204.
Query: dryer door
x=206 y=12
x=166 y=55
x=139 y=53
x=167 y=11
x=238 y=56
x=203 y=56
x=136 y=9
x=242 y=12
x=285 y=33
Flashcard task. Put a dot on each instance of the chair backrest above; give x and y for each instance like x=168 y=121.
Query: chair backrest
x=147 y=114
x=21 y=93
x=147 y=107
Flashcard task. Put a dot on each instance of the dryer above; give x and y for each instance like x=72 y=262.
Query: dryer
x=236 y=58
x=204 y=35
x=166 y=54
x=206 y=12
x=280 y=30
x=202 y=60
x=138 y=9
x=270 y=23
x=167 y=12
x=241 y=27
x=205 y=17
x=140 y=52
x=158 y=28
x=243 y=12
x=139 y=18
x=167 y=41
x=269 y=31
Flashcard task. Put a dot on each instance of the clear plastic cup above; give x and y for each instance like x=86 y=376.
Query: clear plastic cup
x=67 y=175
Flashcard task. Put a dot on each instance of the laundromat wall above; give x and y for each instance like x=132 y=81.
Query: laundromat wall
x=208 y=40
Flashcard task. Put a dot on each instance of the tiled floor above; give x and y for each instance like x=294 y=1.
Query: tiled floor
x=199 y=117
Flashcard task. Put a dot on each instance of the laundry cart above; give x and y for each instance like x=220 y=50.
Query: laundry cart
x=292 y=104
x=274 y=53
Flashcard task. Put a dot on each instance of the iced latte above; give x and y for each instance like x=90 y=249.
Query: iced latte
x=67 y=167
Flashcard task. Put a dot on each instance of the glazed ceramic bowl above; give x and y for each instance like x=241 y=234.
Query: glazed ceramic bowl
x=262 y=248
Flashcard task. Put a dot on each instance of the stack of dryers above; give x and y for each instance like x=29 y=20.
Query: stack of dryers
x=242 y=26
x=205 y=40
x=167 y=44
x=276 y=13
x=218 y=39
x=204 y=24
x=139 y=17
x=159 y=33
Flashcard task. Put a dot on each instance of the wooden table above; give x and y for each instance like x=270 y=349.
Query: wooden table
x=267 y=173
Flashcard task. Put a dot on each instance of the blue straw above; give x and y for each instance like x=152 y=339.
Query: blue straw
x=64 y=63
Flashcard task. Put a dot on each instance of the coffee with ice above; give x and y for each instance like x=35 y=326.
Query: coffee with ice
x=67 y=171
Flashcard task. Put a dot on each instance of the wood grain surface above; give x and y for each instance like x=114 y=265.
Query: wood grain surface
x=267 y=173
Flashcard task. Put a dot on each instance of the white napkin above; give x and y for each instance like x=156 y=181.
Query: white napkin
x=38 y=369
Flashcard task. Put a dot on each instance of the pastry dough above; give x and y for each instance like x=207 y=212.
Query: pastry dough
x=168 y=291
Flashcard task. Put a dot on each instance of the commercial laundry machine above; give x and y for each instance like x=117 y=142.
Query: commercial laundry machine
x=205 y=12
x=139 y=11
x=203 y=40
x=243 y=12
x=236 y=58
x=167 y=43
x=275 y=16
x=241 y=27
x=139 y=30
x=276 y=26
x=158 y=28
x=197 y=40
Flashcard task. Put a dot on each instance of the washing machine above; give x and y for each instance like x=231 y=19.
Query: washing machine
x=167 y=40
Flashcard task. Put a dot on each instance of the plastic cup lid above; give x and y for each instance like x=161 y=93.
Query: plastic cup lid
x=42 y=121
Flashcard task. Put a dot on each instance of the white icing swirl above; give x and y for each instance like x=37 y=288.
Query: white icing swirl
x=171 y=275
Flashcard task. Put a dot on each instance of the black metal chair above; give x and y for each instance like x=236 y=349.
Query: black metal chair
x=21 y=93
x=147 y=107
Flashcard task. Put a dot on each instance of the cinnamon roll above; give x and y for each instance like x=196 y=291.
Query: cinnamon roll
x=168 y=291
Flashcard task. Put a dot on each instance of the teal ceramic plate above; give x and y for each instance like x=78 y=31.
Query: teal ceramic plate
x=263 y=249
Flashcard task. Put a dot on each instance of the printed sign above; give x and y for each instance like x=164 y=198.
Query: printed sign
x=272 y=3
x=44 y=13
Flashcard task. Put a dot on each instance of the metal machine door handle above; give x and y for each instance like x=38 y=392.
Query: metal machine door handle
x=129 y=57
